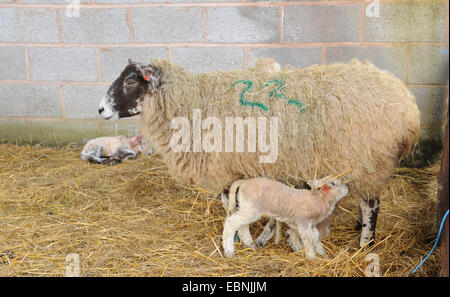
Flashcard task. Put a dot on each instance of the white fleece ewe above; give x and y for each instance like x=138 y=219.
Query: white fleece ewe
x=303 y=209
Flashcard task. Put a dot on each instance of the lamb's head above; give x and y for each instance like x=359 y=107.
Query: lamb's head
x=333 y=189
x=136 y=143
x=125 y=95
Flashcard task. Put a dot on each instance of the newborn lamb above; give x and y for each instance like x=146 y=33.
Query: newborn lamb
x=301 y=209
x=111 y=150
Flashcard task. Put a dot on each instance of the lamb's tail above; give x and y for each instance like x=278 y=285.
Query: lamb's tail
x=233 y=200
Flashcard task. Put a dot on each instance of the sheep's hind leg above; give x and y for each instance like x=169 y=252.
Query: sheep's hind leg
x=369 y=215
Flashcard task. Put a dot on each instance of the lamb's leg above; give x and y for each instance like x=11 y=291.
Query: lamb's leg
x=246 y=237
x=323 y=226
x=293 y=239
x=235 y=222
x=93 y=156
x=229 y=229
x=369 y=215
x=306 y=234
x=277 y=232
x=126 y=154
x=267 y=233
x=316 y=241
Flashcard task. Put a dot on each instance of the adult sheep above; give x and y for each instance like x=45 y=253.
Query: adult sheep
x=332 y=118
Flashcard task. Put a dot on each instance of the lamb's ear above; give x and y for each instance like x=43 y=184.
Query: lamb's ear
x=130 y=61
x=314 y=184
x=149 y=73
x=136 y=140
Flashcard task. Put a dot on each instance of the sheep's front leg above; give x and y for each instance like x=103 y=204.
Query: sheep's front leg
x=369 y=214
x=306 y=234
x=267 y=233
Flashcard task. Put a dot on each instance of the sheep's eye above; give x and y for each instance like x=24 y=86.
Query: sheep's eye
x=131 y=82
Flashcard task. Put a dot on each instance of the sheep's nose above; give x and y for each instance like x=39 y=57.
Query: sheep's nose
x=100 y=110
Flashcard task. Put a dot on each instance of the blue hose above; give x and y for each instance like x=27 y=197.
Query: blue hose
x=435 y=243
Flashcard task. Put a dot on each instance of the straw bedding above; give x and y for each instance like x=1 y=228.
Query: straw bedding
x=332 y=118
x=134 y=220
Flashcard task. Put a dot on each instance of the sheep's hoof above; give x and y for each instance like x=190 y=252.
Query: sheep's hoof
x=367 y=242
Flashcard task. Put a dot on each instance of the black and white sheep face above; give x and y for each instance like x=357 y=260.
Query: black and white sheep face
x=125 y=95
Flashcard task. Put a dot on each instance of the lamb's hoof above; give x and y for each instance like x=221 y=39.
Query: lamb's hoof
x=310 y=256
x=357 y=226
x=320 y=251
x=259 y=243
x=295 y=246
x=253 y=246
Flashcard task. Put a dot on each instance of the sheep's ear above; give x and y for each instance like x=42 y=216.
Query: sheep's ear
x=150 y=74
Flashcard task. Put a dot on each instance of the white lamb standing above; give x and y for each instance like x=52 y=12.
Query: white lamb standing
x=302 y=210
x=273 y=227
x=111 y=150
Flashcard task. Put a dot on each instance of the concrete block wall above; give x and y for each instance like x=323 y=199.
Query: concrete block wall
x=54 y=67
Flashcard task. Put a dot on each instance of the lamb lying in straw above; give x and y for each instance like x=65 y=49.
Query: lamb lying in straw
x=111 y=150
x=300 y=209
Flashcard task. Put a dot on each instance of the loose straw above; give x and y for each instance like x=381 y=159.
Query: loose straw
x=330 y=177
